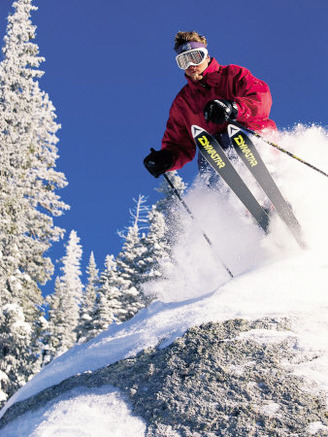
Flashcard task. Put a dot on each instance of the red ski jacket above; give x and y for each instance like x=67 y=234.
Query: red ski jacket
x=229 y=82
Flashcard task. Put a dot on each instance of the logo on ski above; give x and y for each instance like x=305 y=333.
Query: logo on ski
x=239 y=140
x=253 y=161
x=205 y=145
x=196 y=130
x=204 y=142
x=213 y=152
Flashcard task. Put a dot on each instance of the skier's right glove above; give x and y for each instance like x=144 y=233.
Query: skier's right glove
x=220 y=111
x=158 y=162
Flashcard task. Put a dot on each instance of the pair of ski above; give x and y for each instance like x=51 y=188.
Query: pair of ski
x=213 y=152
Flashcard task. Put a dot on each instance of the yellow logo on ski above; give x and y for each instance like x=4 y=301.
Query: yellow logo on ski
x=204 y=142
x=239 y=140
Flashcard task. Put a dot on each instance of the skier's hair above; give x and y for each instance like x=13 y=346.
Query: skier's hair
x=183 y=37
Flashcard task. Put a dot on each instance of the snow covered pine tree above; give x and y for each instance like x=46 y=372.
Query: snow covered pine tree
x=88 y=302
x=109 y=298
x=28 y=199
x=64 y=304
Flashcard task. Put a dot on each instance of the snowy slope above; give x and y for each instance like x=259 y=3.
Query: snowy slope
x=272 y=277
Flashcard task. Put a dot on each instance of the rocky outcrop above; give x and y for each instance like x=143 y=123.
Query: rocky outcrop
x=220 y=379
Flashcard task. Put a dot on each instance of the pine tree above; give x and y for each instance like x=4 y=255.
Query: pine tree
x=28 y=183
x=64 y=304
x=165 y=226
x=131 y=273
x=28 y=154
x=57 y=330
x=170 y=206
x=169 y=200
x=157 y=249
x=88 y=305
x=109 y=300
x=138 y=216
x=15 y=340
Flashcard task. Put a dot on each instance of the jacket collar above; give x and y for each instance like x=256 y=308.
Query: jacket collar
x=213 y=66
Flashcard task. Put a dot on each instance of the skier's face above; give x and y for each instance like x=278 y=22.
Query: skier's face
x=195 y=72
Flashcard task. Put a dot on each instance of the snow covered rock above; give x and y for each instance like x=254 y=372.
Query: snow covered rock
x=231 y=378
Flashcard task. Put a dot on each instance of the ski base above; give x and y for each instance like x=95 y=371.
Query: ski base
x=253 y=161
x=215 y=155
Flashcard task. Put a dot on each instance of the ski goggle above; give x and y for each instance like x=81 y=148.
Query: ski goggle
x=191 y=57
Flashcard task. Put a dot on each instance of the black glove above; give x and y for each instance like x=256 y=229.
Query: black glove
x=158 y=162
x=220 y=111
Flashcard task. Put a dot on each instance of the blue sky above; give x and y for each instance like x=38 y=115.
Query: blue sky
x=111 y=74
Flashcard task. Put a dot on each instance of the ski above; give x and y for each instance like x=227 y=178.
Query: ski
x=215 y=155
x=253 y=161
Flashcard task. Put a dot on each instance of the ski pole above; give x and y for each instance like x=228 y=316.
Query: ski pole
x=277 y=147
x=192 y=216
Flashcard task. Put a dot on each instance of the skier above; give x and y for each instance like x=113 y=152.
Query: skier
x=213 y=95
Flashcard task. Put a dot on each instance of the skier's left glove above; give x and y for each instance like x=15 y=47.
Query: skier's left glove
x=158 y=162
x=220 y=111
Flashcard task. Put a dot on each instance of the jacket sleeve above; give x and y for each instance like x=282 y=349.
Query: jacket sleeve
x=252 y=96
x=177 y=138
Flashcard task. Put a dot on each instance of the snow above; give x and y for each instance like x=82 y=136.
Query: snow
x=270 y=409
x=81 y=412
x=273 y=277
x=315 y=427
